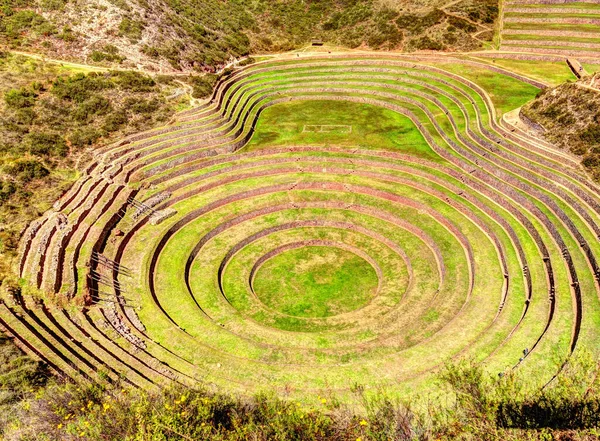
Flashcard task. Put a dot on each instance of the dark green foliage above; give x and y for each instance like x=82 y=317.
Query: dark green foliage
x=246 y=61
x=133 y=81
x=562 y=413
x=203 y=86
x=80 y=87
x=108 y=53
x=131 y=29
x=20 y=376
x=121 y=4
x=45 y=144
x=53 y=5
x=94 y=106
x=143 y=106
x=386 y=33
x=426 y=43
x=481 y=11
x=591 y=161
x=459 y=23
x=151 y=51
x=18 y=372
x=416 y=23
x=591 y=134
x=26 y=170
x=67 y=35
x=205 y=35
x=47 y=124
x=570 y=116
x=14 y=23
x=86 y=136
x=478 y=406
x=115 y=121
x=19 y=98
x=7 y=189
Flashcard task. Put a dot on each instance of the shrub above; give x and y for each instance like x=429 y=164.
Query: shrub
x=151 y=51
x=459 y=23
x=426 y=43
x=20 y=98
x=122 y=4
x=591 y=134
x=115 y=121
x=203 y=86
x=108 y=53
x=591 y=161
x=67 y=35
x=95 y=105
x=26 y=170
x=131 y=29
x=16 y=23
x=143 y=106
x=84 y=136
x=53 y=5
x=133 y=81
x=246 y=61
x=45 y=144
x=7 y=189
x=79 y=87
x=416 y=23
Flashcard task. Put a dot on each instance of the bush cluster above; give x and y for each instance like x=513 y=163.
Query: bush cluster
x=472 y=406
x=108 y=53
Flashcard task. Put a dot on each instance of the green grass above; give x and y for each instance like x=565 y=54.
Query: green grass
x=316 y=282
x=370 y=127
x=549 y=15
x=589 y=28
x=557 y=46
x=570 y=5
x=591 y=68
x=556 y=38
x=553 y=73
x=496 y=85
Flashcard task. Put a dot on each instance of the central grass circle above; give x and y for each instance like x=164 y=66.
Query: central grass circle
x=316 y=281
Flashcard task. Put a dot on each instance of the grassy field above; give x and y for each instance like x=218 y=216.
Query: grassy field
x=359 y=125
x=315 y=282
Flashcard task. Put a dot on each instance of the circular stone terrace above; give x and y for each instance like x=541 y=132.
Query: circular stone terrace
x=237 y=249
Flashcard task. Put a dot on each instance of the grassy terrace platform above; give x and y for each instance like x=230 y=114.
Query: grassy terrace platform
x=566 y=29
x=321 y=223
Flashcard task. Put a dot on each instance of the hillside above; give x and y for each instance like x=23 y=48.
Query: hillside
x=51 y=119
x=569 y=117
x=165 y=35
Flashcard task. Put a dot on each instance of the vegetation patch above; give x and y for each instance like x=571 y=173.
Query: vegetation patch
x=205 y=36
x=50 y=119
x=570 y=119
x=316 y=282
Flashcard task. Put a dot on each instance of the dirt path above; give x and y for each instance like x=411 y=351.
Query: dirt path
x=44 y=58
x=189 y=90
x=92 y=68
